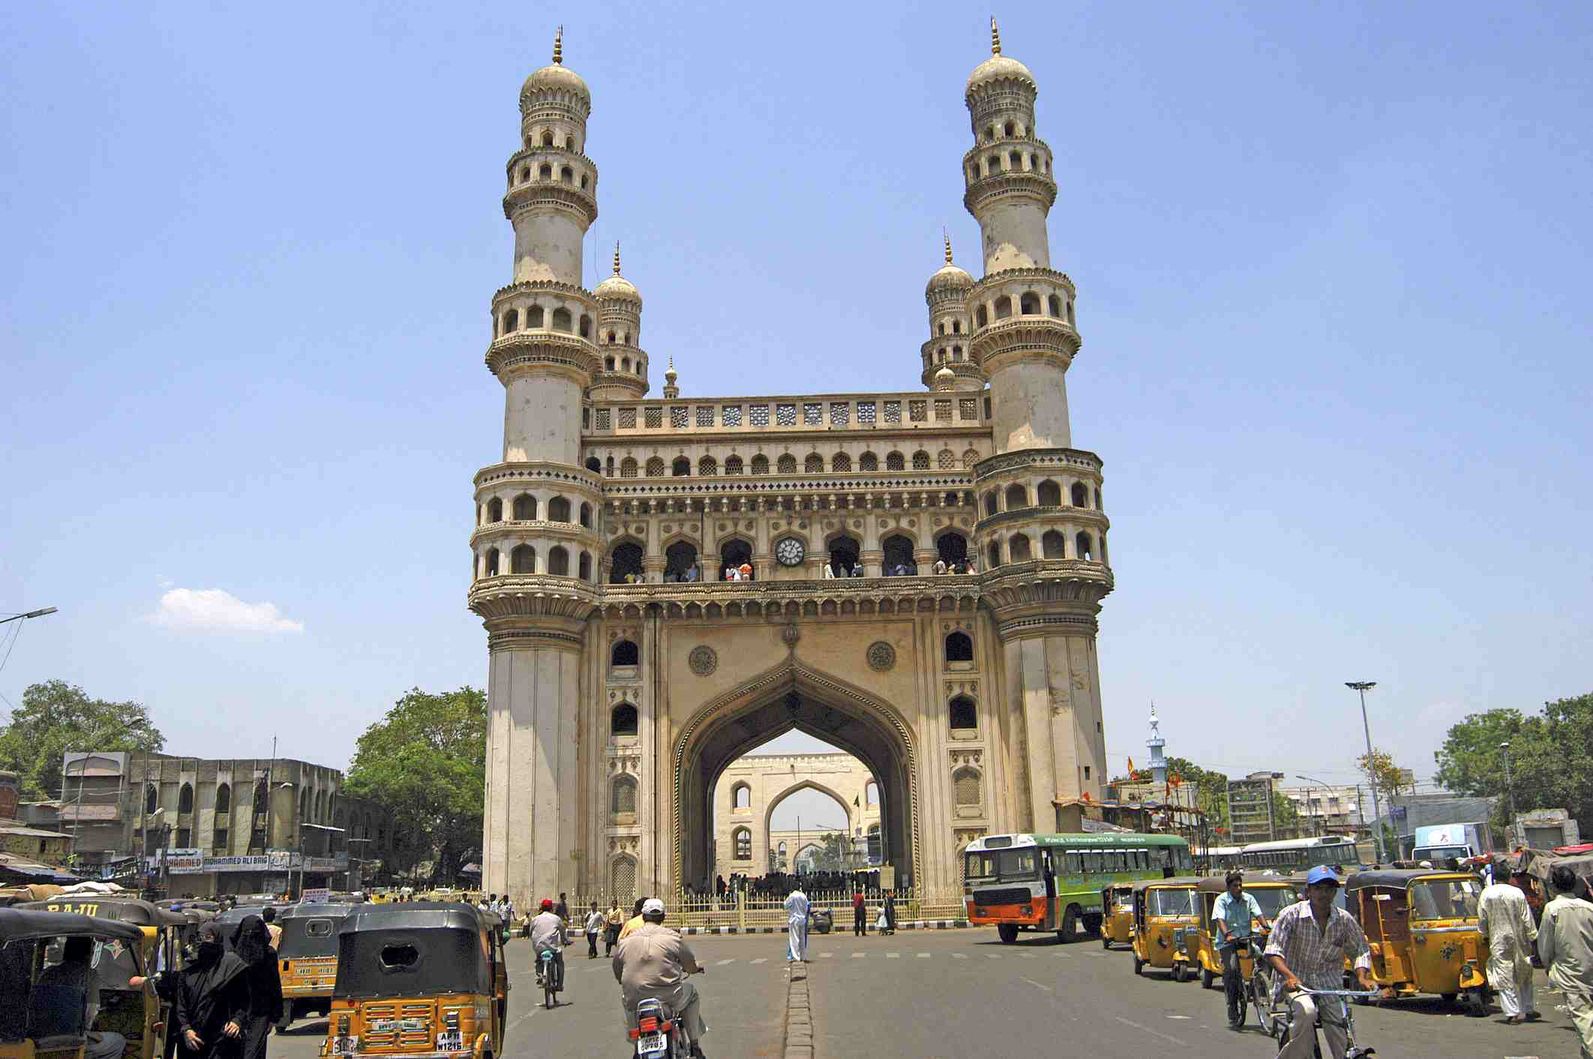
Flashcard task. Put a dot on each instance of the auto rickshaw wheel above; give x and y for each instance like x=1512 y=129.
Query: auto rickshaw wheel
x=1449 y=998
x=1007 y=932
x=1206 y=978
x=1176 y=972
x=1477 y=1002
x=1106 y=942
x=1139 y=965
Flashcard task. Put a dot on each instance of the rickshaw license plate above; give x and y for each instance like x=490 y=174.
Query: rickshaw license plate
x=451 y=1040
x=345 y=1045
x=651 y=1044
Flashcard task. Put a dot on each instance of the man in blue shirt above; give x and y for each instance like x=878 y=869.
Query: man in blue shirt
x=1235 y=916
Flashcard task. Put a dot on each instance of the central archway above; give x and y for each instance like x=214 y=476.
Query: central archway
x=789 y=697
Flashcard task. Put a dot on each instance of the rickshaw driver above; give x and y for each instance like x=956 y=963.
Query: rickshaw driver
x=654 y=962
x=1309 y=942
x=547 y=934
x=1237 y=915
x=77 y=972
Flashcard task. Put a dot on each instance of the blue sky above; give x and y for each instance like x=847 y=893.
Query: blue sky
x=1332 y=265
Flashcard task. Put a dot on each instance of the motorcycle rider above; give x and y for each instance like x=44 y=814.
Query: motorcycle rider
x=547 y=934
x=653 y=962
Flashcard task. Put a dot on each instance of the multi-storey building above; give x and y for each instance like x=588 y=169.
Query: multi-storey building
x=1325 y=810
x=751 y=789
x=626 y=675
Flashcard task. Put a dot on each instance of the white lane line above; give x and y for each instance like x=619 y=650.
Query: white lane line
x=1027 y=956
x=826 y=955
x=721 y=963
x=959 y=955
x=761 y=959
x=1038 y=985
x=922 y=955
x=1153 y=1033
x=992 y=956
x=895 y=955
x=858 y=955
x=516 y=1023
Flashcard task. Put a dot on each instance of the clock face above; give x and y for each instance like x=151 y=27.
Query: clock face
x=789 y=551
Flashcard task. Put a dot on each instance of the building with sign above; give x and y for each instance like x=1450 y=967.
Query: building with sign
x=1326 y=810
x=1250 y=809
x=669 y=582
x=218 y=826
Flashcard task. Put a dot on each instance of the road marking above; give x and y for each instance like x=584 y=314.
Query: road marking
x=1153 y=1033
x=721 y=963
x=958 y=955
x=922 y=955
x=761 y=959
x=1183 y=1017
x=893 y=955
x=992 y=956
x=1038 y=985
x=826 y=955
x=858 y=955
x=1027 y=956
x=516 y=1023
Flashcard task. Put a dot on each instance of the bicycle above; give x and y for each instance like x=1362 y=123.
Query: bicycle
x=1285 y=1024
x=545 y=974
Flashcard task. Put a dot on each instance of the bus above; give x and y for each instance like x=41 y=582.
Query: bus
x=1301 y=854
x=1053 y=882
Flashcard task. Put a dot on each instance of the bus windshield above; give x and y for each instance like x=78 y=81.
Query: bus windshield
x=1444 y=899
x=1008 y=865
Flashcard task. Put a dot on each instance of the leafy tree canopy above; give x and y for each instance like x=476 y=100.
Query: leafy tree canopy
x=426 y=762
x=56 y=717
x=1550 y=767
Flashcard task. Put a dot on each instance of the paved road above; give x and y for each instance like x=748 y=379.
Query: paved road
x=959 y=993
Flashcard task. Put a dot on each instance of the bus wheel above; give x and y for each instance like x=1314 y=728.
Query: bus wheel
x=1008 y=932
x=1092 y=923
x=1070 y=924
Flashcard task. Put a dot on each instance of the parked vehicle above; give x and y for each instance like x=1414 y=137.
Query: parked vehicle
x=39 y=1018
x=308 y=959
x=1117 y=915
x=1439 y=842
x=1422 y=928
x=1300 y=854
x=1165 y=910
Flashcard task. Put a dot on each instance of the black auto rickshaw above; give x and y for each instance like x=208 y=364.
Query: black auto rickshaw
x=419 y=977
x=308 y=958
x=43 y=1013
x=162 y=932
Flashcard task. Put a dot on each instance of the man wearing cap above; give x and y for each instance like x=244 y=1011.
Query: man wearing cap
x=1309 y=942
x=547 y=934
x=1505 y=919
x=653 y=962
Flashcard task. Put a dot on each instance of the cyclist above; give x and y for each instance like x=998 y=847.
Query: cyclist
x=1236 y=914
x=1309 y=943
x=654 y=962
x=547 y=935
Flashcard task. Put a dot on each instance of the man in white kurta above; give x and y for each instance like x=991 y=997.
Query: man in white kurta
x=796 y=909
x=1565 y=946
x=1505 y=919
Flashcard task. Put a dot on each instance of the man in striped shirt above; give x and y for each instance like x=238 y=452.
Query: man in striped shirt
x=1310 y=940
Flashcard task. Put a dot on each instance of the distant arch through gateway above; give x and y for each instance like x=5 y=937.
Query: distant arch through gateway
x=789 y=697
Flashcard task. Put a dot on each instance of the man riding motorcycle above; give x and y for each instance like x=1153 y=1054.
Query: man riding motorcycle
x=653 y=962
x=547 y=935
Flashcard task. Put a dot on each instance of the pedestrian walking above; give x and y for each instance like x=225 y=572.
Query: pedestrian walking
x=212 y=1000
x=612 y=922
x=859 y=915
x=1505 y=919
x=890 y=912
x=269 y=915
x=1565 y=947
x=797 y=909
x=562 y=909
x=594 y=926
x=252 y=943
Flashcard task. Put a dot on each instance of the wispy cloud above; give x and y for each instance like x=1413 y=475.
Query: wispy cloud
x=216 y=609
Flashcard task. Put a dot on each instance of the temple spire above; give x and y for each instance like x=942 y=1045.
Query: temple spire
x=947 y=239
x=995 y=37
x=616 y=257
x=558 y=45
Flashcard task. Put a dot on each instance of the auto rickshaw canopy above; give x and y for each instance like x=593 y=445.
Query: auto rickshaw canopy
x=138 y=912
x=311 y=930
x=416 y=948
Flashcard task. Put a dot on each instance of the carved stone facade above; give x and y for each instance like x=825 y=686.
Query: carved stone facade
x=627 y=675
x=749 y=791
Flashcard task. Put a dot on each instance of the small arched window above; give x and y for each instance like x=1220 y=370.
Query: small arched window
x=1049 y=494
x=813 y=464
x=786 y=464
x=624 y=653
x=492 y=563
x=871 y=793
x=622 y=720
x=681 y=468
x=559 y=561
x=559 y=509
x=920 y=460
x=990 y=503
x=223 y=800
x=1097 y=498
x=525 y=507
x=841 y=463
x=708 y=467
x=868 y=463
x=1083 y=547
x=743 y=841
x=965 y=787
x=760 y=464
x=584 y=566
x=1053 y=545
x=895 y=461
x=959 y=647
x=585 y=328
x=595 y=465
x=561 y=319
x=545 y=172
x=627 y=468
x=981 y=317
x=655 y=467
x=897 y=553
x=946 y=460
x=1017 y=497
x=511 y=321
x=622 y=797
x=962 y=714
x=566 y=175
x=1029 y=304
x=495 y=510
x=625 y=563
x=1009 y=129
x=1018 y=548
x=533 y=316
x=993 y=555
x=547 y=137
x=1055 y=305
x=586 y=513
x=523 y=560
x=1080 y=495
x=741 y=797
x=733 y=466
x=151 y=798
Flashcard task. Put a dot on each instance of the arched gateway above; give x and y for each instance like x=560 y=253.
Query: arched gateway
x=667 y=583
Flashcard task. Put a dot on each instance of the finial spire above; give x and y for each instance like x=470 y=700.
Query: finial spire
x=947 y=239
x=558 y=46
x=995 y=37
x=616 y=257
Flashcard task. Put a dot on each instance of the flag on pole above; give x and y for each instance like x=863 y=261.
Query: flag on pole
x=1130 y=768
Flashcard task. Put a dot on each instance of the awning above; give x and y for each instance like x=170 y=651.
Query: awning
x=15 y=867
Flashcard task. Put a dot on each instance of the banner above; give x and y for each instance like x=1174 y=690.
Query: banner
x=316 y=895
x=183 y=860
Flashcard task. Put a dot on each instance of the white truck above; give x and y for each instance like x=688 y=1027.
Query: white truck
x=1439 y=842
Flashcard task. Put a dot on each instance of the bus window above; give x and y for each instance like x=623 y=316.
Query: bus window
x=1073 y=865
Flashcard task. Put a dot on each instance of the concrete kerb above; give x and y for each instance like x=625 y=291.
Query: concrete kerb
x=921 y=924
x=798 y=1014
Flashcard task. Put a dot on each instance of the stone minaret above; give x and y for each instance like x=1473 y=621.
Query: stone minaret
x=619 y=335
x=947 y=297
x=1041 y=535
x=535 y=555
x=1158 y=762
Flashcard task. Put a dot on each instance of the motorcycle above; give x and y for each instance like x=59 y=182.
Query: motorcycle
x=658 y=1033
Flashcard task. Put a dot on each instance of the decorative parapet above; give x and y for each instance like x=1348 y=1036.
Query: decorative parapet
x=823 y=413
x=1073 y=459
x=770 y=600
x=507 y=596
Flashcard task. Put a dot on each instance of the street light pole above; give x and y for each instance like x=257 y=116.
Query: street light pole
x=1510 y=789
x=1363 y=686
x=41 y=612
x=1325 y=786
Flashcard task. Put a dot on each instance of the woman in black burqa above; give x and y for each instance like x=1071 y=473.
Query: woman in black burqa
x=212 y=1001
x=252 y=943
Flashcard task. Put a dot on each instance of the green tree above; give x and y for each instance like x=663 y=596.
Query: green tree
x=1211 y=791
x=56 y=717
x=1548 y=768
x=1285 y=817
x=426 y=762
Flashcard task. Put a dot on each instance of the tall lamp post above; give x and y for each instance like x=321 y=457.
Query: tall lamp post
x=1314 y=830
x=1363 y=686
x=1510 y=788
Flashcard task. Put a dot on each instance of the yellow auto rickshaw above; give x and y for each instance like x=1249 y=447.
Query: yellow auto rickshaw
x=137 y=1014
x=1165 y=910
x=1421 y=925
x=1273 y=893
x=419 y=977
x=44 y=1014
x=308 y=955
x=1117 y=915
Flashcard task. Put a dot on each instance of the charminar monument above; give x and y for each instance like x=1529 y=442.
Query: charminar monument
x=627 y=673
